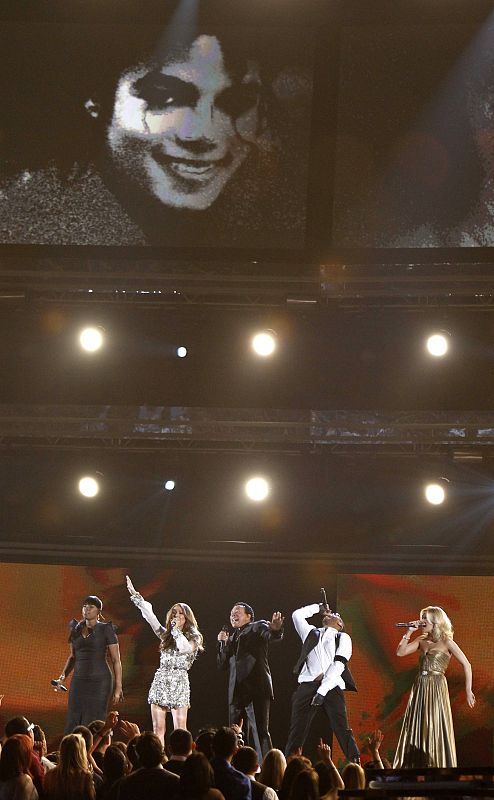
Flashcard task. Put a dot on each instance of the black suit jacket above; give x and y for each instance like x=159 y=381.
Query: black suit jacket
x=247 y=661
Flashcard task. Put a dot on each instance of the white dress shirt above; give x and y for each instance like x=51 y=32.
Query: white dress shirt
x=320 y=661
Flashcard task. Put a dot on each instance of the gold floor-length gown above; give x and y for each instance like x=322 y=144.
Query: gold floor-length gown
x=427 y=738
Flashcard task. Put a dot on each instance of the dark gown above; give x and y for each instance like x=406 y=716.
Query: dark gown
x=92 y=682
x=427 y=738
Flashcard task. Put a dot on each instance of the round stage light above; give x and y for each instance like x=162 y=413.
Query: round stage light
x=257 y=489
x=181 y=352
x=88 y=486
x=435 y=494
x=264 y=343
x=91 y=339
x=438 y=344
x=169 y=486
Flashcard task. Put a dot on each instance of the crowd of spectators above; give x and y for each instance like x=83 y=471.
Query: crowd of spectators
x=217 y=765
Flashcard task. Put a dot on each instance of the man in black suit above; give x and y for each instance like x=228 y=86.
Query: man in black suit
x=245 y=654
x=323 y=675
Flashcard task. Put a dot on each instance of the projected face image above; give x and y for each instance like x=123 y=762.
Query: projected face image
x=181 y=129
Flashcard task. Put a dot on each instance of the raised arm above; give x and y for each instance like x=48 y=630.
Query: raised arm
x=299 y=618
x=458 y=653
x=145 y=608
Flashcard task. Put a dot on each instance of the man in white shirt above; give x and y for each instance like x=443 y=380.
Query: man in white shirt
x=323 y=675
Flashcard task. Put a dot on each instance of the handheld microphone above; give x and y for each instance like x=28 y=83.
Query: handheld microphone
x=410 y=625
x=324 y=598
x=226 y=629
x=58 y=686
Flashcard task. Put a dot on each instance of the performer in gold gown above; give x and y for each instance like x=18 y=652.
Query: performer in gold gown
x=427 y=737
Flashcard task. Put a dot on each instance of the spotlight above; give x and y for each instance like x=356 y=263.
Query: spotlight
x=88 y=486
x=435 y=493
x=438 y=344
x=257 y=489
x=91 y=339
x=264 y=343
x=169 y=486
x=181 y=352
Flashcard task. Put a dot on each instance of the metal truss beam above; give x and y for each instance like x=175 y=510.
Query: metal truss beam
x=406 y=283
x=151 y=428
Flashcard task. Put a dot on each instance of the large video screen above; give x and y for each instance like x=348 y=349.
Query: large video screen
x=188 y=133
x=39 y=600
x=415 y=157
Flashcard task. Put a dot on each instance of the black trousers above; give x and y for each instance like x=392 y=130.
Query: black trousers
x=335 y=709
x=256 y=723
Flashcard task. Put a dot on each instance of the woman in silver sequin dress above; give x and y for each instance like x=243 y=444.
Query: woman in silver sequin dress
x=181 y=641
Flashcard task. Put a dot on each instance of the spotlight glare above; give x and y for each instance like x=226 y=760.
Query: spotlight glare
x=88 y=486
x=91 y=339
x=169 y=486
x=257 y=489
x=437 y=345
x=435 y=494
x=264 y=343
x=181 y=352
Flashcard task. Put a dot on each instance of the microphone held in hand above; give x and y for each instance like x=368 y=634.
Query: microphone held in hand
x=410 y=624
x=58 y=686
x=324 y=598
x=225 y=629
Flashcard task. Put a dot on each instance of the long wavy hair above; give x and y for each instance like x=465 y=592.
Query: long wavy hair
x=190 y=630
x=441 y=623
x=71 y=779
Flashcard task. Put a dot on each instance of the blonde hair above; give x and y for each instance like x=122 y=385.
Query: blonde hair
x=273 y=768
x=441 y=623
x=71 y=778
x=353 y=776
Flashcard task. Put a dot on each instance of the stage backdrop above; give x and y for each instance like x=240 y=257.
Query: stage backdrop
x=39 y=600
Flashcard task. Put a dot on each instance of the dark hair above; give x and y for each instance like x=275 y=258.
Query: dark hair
x=294 y=766
x=224 y=742
x=180 y=742
x=92 y=600
x=326 y=776
x=247 y=608
x=305 y=785
x=115 y=764
x=245 y=760
x=204 y=742
x=132 y=753
x=149 y=749
x=17 y=725
x=197 y=776
x=15 y=756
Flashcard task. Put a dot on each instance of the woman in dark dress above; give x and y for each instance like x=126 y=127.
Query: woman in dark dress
x=91 y=687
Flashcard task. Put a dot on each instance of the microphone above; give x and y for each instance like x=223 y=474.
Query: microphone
x=410 y=625
x=58 y=686
x=324 y=598
x=226 y=629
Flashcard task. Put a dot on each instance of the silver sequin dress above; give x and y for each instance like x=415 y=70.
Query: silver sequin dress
x=170 y=687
